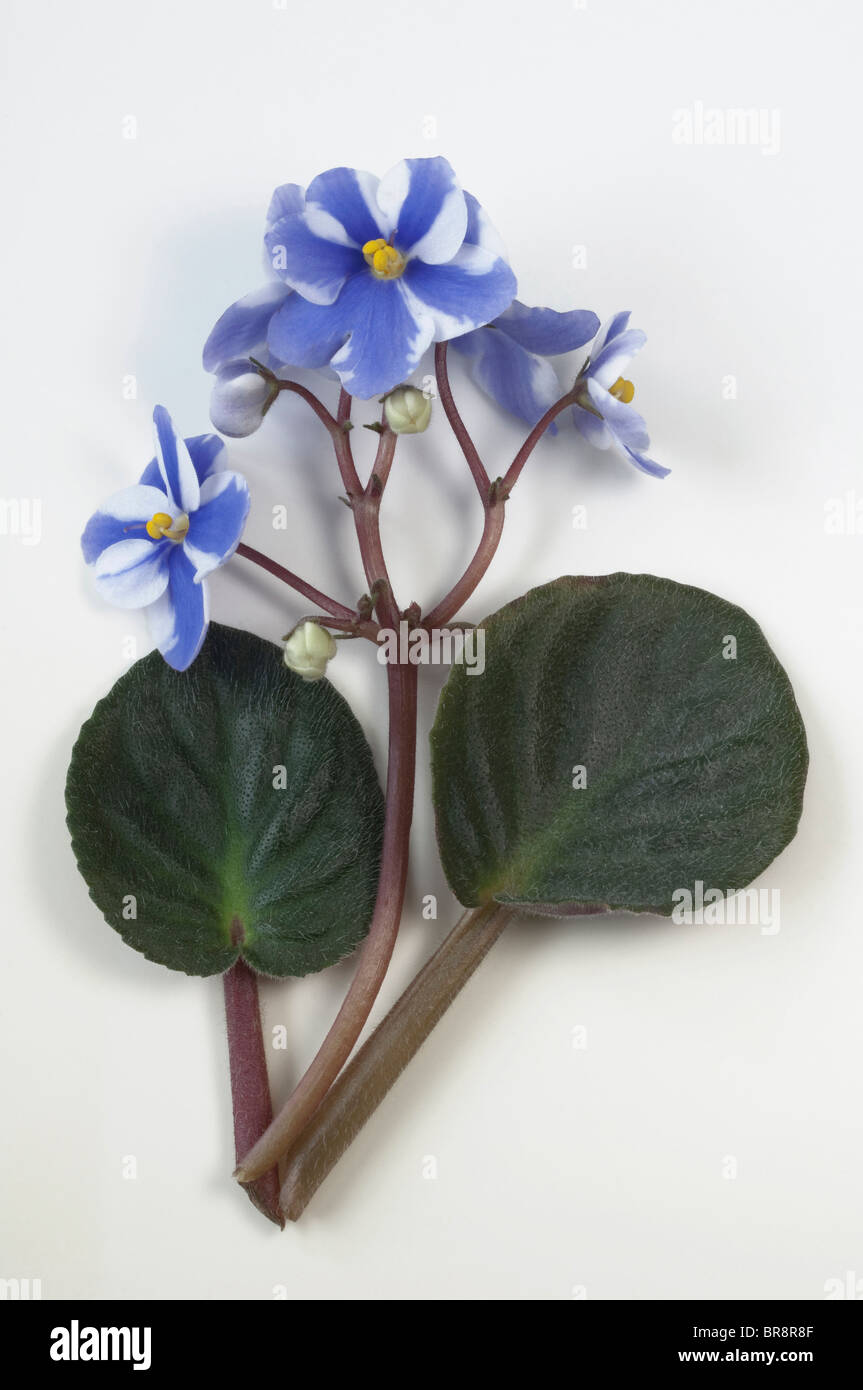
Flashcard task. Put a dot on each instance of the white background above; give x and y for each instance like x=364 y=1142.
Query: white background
x=558 y=1169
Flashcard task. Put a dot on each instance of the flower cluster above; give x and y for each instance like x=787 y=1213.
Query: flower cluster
x=364 y=275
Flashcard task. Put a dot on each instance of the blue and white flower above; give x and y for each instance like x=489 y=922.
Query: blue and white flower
x=509 y=358
x=364 y=275
x=603 y=413
x=152 y=546
x=381 y=268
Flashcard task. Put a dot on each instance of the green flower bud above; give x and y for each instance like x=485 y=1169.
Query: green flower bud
x=308 y=649
x=408 y=410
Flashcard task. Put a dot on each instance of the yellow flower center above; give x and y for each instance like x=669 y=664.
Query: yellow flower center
x=622 y=390
x=169 y=528
x=386 y=262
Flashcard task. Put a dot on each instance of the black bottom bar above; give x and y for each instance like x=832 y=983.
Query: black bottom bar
x=250 y=1340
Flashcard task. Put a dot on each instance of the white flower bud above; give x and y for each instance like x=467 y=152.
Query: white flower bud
x=308 y=649
x=408 y=410
x=241 y=398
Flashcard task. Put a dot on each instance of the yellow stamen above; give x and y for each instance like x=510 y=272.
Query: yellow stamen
x=161 y=526
x=622 y=390
x=385 y=261
x=157 y=524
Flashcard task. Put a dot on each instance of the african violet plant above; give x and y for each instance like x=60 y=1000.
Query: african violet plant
x=595 y=750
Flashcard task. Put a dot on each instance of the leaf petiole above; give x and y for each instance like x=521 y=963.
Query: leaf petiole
x=380 y=1061
x=250 y=1089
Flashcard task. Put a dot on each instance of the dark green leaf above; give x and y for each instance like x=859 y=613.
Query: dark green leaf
x=694 y=757
x=177 y=813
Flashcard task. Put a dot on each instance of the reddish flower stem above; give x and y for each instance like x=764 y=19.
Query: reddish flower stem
x=511 y=476
x=374 y=957
x=459 y=429
x=344 y=451
x=329 y=605
x=343 y=414
x=461 y=591
x=311 y=400
x=494 y=495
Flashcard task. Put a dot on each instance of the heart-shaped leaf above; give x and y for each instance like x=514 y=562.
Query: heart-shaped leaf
x=628 y=737
x=233 y=809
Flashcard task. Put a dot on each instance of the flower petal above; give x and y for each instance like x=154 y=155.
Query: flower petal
x=621 y=427
x=120 y=518
x=178 y=619
x=626 y=425
x=132 y=573
x=593 y=427
x=288 y=198
x=518 y=380
x=471 y=290
x=175 y=465
x=610 y=329
x=386 y=338
x=309 y=334
x=314 y=266
x=545 y=330
x=480 y=229
x=614 y=357
x=243 y=327
x=206 y=452
x=425 y=208
x=647 y=465
x=341 y=206
x=216 y=527
x=369 y=336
